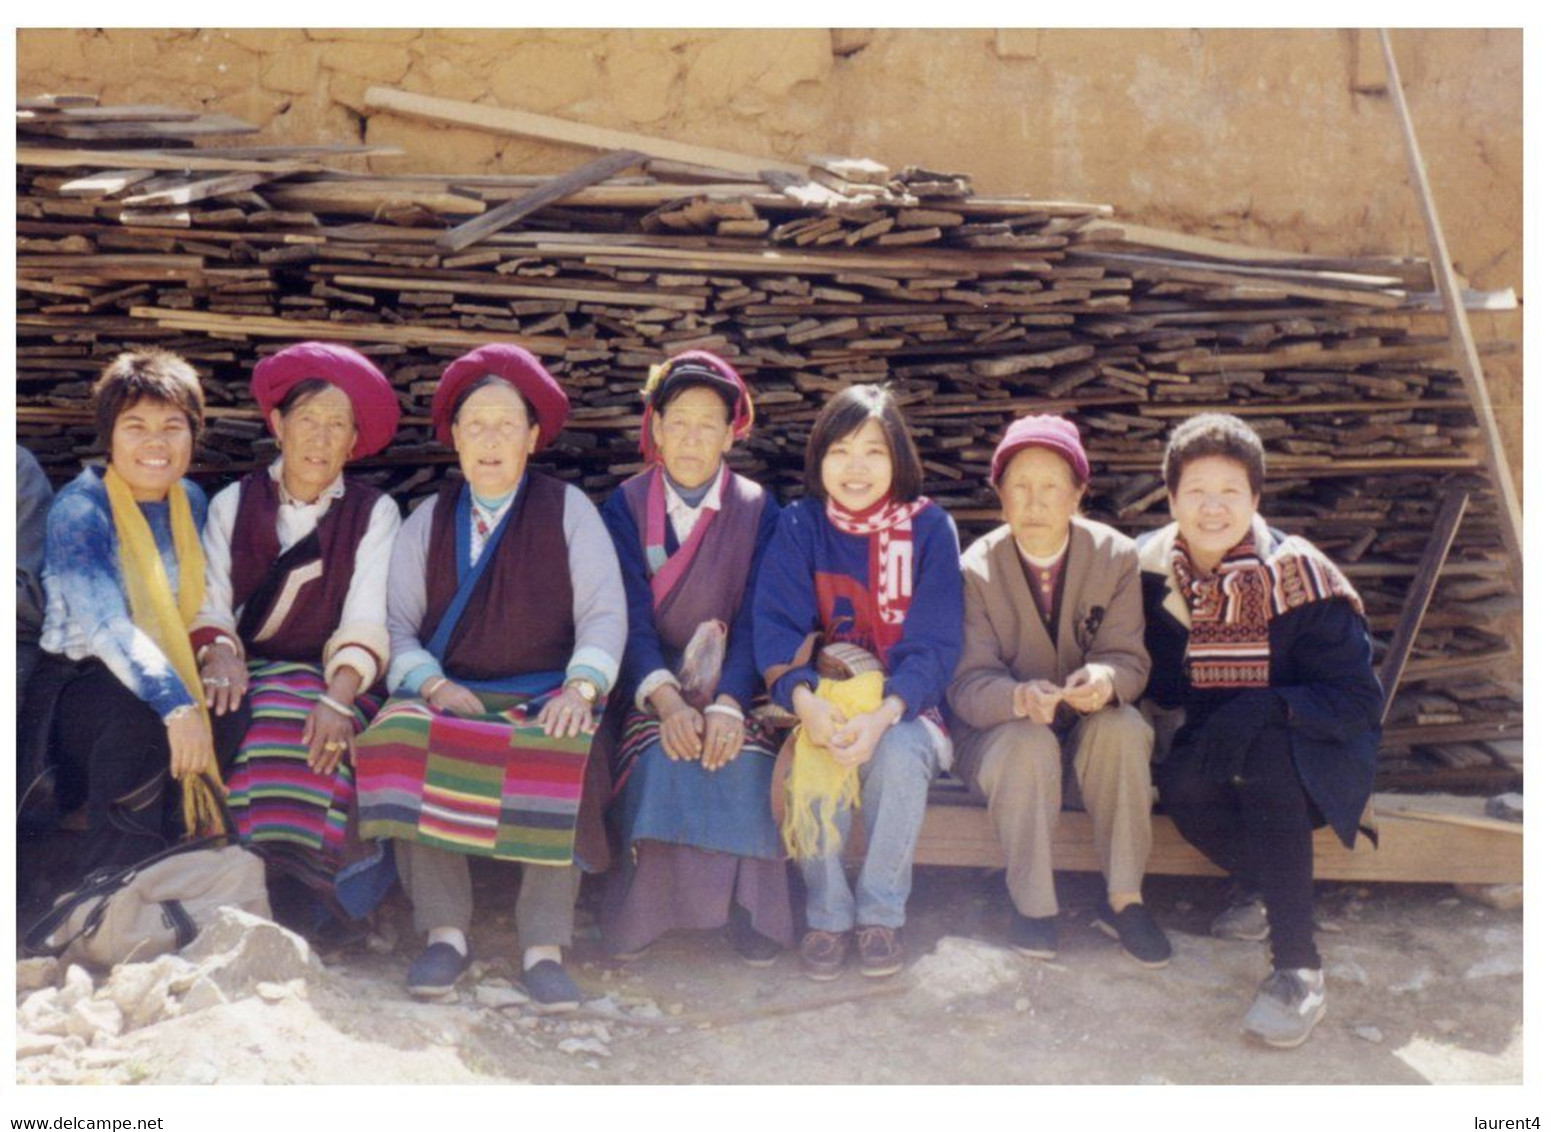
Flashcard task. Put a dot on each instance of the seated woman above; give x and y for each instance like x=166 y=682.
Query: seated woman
x=1053 y=662
x=867 y=560
x=1260 y=640
x=296 y=579
x=692 y=775
x=124 y=577
x=506 y=620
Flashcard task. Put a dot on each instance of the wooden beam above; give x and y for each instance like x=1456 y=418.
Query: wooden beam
x=1445 y=527
x=662 y=299
x=1510 y=514
x=44 y=158
x=258 y=326
x=56 y=101
x=522 y=123
x=199 y=190
x=557 y=189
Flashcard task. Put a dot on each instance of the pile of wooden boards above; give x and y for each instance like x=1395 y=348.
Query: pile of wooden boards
x=809 y=278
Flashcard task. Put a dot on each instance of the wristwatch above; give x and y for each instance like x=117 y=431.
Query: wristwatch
x=584 y=688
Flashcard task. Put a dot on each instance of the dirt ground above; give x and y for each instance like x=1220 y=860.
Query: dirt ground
x=1424 y=987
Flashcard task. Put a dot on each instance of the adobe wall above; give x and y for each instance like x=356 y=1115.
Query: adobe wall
x=1274 y=138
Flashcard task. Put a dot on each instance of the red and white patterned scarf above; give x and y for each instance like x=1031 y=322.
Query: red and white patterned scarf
x=1231 y=609
x=891 y=547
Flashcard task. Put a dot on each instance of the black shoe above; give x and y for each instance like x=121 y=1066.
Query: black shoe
x=753 y=948
x=1139 y=937
x=436 y=971
x=549 y=988
x=1034 y=936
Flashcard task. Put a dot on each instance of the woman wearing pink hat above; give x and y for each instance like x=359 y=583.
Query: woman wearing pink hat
x=295 y=616
x=1054 y=659
x=692 y=775
x=507 y=620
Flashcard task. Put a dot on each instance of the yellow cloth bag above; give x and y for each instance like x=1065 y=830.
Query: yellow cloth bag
x=819 y=787
x=166 y=622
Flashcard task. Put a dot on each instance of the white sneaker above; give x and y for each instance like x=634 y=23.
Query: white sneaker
x=1287 y=1007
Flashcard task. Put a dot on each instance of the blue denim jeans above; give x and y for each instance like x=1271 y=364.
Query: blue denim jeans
x=894 y=785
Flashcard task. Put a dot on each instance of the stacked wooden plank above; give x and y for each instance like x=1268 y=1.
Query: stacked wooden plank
x=810 y=278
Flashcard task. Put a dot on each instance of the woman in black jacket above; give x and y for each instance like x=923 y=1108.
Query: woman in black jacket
x=1262 y=642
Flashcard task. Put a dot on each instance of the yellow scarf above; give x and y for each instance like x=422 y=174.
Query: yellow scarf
x=166 y=622
x=819 y=786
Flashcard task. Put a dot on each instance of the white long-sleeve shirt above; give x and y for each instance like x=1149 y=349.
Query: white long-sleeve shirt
x=362 y=628
x=597 y=604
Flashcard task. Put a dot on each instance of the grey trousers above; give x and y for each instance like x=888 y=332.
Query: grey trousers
x=437 y=881
x=1017 y=768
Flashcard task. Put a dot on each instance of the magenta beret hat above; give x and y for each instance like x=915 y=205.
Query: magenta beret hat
x=514 y=365
x=372 y=400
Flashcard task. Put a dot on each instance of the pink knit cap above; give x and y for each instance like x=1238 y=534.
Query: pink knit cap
x=1054 y=433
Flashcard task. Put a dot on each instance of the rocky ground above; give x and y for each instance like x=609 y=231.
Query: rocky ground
x=1426 y=986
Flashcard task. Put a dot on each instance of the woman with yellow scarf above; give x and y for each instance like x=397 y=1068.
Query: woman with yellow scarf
x=124 y=577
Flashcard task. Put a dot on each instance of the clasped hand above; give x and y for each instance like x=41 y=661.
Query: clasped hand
x=712 y=738
x=1086 y=690
x=850 y=741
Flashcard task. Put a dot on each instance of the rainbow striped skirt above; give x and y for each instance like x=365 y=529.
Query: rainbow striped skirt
x=276 y=801
x=490 y=785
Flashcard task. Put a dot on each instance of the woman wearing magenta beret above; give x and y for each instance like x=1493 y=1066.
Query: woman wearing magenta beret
x=506 y=620
x=295 y=616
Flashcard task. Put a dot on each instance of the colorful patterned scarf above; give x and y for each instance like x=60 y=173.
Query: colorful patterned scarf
x=891 y=548
x=1231 y=609
x=165 y=621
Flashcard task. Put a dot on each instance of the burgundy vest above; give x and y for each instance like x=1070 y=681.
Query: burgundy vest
x=312 y=610
x=713 y=585
x=519 y=618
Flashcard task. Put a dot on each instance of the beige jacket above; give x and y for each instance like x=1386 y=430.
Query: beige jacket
x=1005 y=640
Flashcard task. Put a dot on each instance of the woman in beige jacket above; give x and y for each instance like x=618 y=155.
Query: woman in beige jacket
x=1053 y=660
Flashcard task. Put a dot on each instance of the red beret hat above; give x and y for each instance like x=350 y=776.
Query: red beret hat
x=514 y=365
x=698 y=367
x=1054 y=433
x=375 y=405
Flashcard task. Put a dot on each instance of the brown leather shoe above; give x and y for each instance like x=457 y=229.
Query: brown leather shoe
x=882 y=950
x=823 y=954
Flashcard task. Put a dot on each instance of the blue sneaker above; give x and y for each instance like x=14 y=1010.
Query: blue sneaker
x=550 y=988
x=436 y=971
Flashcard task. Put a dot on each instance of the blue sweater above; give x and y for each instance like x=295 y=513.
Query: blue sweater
x=644 y=652
x=88 y=612
x=814 y=576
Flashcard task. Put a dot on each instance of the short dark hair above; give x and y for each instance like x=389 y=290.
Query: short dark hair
x=1214 y=434
x=305 y=390
x=149 y=374
x=486 y=382
x=848 y=411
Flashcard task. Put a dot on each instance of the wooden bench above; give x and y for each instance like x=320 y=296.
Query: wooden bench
x=1422 y=838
